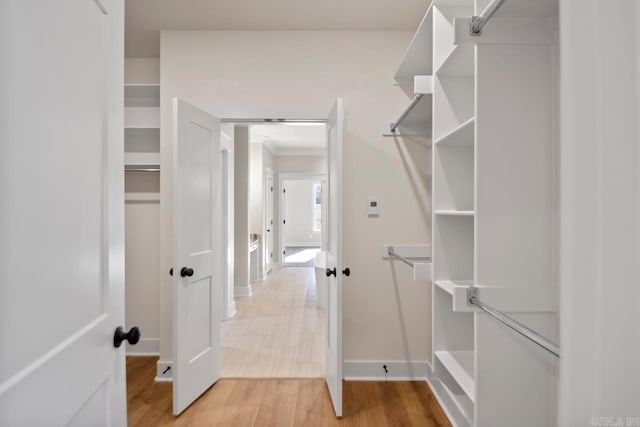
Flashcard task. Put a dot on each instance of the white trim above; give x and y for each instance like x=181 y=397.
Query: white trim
x=145 y=347
x=242 y=291
x=161 y=365
x=231 y=311
x=141 y=197
x=398 y=370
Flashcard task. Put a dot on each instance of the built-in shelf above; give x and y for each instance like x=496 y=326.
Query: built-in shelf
x=418 y=59
x=454 y=213
x=449 y=286
x=142 y=159
x=141 y=95
x=461 y=136
x=142 y=117
x=459 y=61
x=459 y=364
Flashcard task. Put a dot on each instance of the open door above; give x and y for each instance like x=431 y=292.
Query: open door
x=335 y=125
x=268 y=221
x=62 y=214
x=197 y=281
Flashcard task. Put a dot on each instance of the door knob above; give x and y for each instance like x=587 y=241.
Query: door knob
x=330 y=272
x=346 y=272
x=171 y=272
x=186 y=272
x=132 y=337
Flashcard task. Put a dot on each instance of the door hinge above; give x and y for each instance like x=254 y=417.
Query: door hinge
x=271 y=222
x=272 y=255
x=272 y=189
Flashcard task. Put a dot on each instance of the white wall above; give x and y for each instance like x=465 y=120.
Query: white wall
x=600 y=230
x=241 y=205
x=299 y=214
x=299 y=75
x=142 y=260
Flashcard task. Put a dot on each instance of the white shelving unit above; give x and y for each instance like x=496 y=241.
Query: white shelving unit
x=493 y=224
x=142 y=126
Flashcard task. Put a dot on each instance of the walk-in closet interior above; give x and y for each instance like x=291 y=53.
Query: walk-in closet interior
x=485 y=77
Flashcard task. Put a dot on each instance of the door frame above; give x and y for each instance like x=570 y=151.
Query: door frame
x=227 y=222
x=293 y=176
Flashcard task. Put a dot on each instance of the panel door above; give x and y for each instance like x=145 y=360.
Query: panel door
x=61 y=213
x=334 y=360
x=197 y=292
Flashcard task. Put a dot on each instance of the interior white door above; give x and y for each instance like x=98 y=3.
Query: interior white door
x=197 y=293
x=268 y=189
x=335 y=125
x=62 y=213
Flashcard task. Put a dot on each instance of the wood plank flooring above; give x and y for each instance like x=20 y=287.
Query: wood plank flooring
x=277 y=332
x=280 y=402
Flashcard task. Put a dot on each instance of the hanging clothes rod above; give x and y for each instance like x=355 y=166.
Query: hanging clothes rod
x=406 y=112
x=403 y=259
x=477 y=22
x=473 y=299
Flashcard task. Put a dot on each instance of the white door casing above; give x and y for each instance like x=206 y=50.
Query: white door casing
x=268 y=221
x=196 y=236
x=62 y=214
x=334 y=361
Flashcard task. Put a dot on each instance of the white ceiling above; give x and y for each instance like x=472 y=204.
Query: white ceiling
x=146 y=18
x=293 y=139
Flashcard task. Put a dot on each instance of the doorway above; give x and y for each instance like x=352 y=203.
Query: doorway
x=279 y=329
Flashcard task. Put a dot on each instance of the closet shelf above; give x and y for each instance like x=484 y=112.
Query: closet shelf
x=462 y=136
x=450 y=286
x=460 y=365
x=454 y=213
x=142 y=117
x=141 y=159
x=418 y=59
x=141 y=95
x=459 y=62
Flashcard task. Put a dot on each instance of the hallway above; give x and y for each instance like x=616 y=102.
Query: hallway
x=277 y=332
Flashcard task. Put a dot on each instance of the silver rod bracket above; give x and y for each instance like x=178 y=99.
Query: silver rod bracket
x=472 y=295
x=472 y=23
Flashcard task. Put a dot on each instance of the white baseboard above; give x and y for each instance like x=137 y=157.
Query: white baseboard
x=162 y=373
x=398 y=370
x=242 y=291
x=145 y=347
x=302 y=245
x=232 y=309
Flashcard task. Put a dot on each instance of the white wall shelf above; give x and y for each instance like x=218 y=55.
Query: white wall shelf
x=141 y=95
x=461 y=136
x=460 y=366
x=418 y=59
x=142 y=117
x=449 y=286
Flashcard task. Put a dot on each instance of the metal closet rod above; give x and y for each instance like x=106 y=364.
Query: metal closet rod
x=477 y=22
x=401 y=258
x=472 y=298
x=406 y=112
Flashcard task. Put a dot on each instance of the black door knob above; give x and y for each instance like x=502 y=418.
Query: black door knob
x=171 y=272
x=186 y=272
x=346 y=272
x=132 y=337
x=330 y=272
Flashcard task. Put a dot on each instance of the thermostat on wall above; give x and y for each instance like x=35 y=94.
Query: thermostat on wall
x=374 y=207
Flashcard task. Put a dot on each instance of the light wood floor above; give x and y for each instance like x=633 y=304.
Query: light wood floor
x=277 y=332
x=280 y=402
